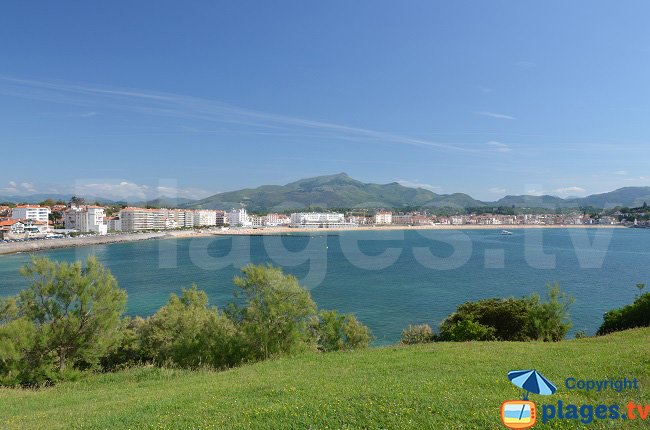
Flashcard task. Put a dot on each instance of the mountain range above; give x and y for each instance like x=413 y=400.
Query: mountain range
x=342 y=191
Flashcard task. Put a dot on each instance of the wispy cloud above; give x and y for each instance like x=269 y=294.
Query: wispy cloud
x=186 y=107
x=19 y=188
x=128 y=190
x=621 y=172
x=497 y=190
x=418 y=184
x=496 y=115
x=498 y=146
x=570 y=191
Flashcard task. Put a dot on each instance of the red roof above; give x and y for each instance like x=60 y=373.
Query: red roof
x=9 y=222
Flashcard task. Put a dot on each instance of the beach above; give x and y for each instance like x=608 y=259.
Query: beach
x=72 y=242
x=42 y=245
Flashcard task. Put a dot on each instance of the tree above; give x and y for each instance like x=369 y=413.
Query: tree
x=276 y=311
x=640 y=287
x=47 y=202
x=336 y=332
x=75 y=310
x=77 y=201
x=549 y=321
x=634 y=315
x=186 y=332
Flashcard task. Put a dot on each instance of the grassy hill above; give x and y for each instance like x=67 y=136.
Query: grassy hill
x=435 y=386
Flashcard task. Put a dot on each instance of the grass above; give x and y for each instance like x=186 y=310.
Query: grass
x=435 y=386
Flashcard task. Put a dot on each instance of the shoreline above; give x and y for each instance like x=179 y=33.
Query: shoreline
x=45 y=245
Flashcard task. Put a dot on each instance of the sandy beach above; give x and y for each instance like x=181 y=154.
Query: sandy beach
x=43 y=245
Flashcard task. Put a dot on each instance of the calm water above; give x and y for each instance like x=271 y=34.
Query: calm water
x=351 y=272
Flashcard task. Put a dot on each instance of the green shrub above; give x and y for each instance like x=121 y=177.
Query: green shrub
x=187 y=333
x=335 y=332
x=417 y=334
x=275 y=316
x=635 y=315
x=511 y=319
x=549 y=321
x=466 y=330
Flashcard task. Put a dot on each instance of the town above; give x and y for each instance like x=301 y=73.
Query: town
x=32 y=221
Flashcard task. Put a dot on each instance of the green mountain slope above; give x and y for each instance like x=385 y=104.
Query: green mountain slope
x=332 y=191
x=342 y=191
x=435 y=386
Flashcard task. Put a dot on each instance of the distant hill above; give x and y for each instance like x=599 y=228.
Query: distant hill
x=628 y=196
x=331 y=191
x=342 y=191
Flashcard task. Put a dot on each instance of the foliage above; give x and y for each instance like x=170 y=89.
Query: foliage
x=336 y=332
x=465 y=330
x=414 y=334
x=187 y=333
x=274 y=318
x=636 y=314
x=549 y=321
x=511 y=319
x=507 y=319
x=68 y=316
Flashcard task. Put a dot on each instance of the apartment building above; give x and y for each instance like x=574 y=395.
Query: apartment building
x=138 y=219
x=205 y=218
x=274 y=220
x=239 y=218
x=33 y=212
x=86 y=219
x=384 y=217
x=319 y=220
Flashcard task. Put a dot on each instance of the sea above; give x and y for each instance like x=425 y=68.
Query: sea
x=388 y=279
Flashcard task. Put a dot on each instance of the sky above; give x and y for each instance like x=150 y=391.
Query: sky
x=135 y=99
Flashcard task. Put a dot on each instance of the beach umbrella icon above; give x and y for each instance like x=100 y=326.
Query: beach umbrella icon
x=532 y=382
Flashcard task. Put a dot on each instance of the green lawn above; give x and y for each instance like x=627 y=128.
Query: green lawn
x=436 y=386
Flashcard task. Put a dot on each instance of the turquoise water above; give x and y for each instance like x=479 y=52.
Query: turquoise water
x=598 y=267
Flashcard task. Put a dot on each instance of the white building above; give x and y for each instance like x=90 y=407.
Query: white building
x=137 y=219
x=256 y=221
x=86 y=219
x=238 y=218
x=33 y=212
x=205 y=218
x=114 y=223
x=384 y=217
x=274 y=220
x=319 y=220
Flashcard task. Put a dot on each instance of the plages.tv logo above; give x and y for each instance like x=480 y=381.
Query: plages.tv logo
x=522 y=413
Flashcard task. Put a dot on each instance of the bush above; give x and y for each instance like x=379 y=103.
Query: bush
x=128 y=351
x=187 y=333
x=523 y=319
x=489 y=319
x=635 y=315
x=417 y=334
x=335 y=332
x=549 y=321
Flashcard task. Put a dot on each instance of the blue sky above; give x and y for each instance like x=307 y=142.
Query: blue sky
x=489 y=98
